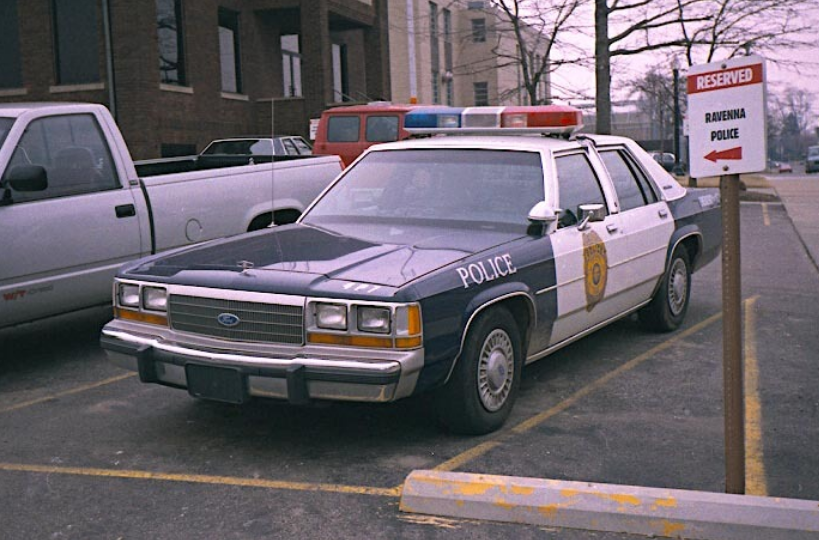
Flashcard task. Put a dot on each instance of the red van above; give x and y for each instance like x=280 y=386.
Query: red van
x=348 y=131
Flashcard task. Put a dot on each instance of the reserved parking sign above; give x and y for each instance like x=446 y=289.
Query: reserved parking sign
x=726 y=115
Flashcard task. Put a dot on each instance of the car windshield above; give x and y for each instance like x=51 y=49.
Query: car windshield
x=486 y=186
x=5 y=127
x=813 y=151
x=244 y=147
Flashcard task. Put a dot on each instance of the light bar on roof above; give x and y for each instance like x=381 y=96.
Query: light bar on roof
x=543 y=119
x=433 y=118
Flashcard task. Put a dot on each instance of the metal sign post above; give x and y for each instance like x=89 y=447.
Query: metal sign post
x=733 y=395
x=726 y=109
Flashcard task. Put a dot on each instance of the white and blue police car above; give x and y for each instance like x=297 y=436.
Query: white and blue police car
x=441 y=264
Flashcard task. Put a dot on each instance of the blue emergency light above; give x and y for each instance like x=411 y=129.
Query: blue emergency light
x=433 y=118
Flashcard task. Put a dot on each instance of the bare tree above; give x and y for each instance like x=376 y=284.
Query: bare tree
x=713 y=29
x=655 y=98
x=791 y=115
x=536 y=27
x=640 y=26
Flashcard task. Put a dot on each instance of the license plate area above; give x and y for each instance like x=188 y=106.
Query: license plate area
x=217 y=383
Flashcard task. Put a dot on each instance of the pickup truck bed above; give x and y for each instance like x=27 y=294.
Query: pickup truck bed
x=73 y=207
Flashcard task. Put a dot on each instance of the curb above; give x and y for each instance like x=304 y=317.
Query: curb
x=670 y=513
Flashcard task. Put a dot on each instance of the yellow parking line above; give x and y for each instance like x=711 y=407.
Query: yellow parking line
x=201 y=479
x=766 y=219
x=755 y=483
x=73 y=391
x=473 y=453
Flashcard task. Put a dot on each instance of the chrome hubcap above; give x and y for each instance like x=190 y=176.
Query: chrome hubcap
x=677 y=286
x=496 y=370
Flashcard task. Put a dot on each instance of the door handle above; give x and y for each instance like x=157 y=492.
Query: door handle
x=125 y=210
x=612 y=228
x=662 y=213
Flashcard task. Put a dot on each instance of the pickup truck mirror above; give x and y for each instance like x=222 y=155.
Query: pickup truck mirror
x=28 y=178
x=543 y=218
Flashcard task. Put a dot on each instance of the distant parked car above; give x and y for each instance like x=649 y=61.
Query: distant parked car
x=666 y=159
x=785 y=167
x=812 y=160
x=278 y=145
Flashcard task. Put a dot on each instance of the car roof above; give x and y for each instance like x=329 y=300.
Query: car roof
x=376 y=107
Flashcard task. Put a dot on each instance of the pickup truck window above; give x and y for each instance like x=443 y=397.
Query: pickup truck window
x=5 y=127
x=466 y=185
x=304 y=148
x=73 y=152
x=289 y=147
x=578 y=185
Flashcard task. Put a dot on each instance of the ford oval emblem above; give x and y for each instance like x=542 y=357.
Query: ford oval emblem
x=228 y=319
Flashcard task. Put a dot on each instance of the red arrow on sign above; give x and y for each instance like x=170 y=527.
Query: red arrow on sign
x=732 y=153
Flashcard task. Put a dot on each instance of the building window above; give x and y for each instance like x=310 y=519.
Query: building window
x=434 y=53
x=478 y=30
x=11 y=74
x=171 y=42
x=76 y=41
x=291 y=65
x=481 y=90
x=341 y=84
x=448 y=63
x=229 y=56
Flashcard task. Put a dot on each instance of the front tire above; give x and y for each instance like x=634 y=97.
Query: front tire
x=667 y=309
x=484 y=386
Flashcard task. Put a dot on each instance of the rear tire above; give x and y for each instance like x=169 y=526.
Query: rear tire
x=667 y=309
x=484 y=385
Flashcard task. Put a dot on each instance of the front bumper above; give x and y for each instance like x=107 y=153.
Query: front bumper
x=210 y=370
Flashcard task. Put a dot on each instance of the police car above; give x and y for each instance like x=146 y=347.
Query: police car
x=442 y=264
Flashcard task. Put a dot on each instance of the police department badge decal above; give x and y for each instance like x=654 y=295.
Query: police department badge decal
x=595 y=268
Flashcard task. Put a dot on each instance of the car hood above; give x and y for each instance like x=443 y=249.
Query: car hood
x=349 y=253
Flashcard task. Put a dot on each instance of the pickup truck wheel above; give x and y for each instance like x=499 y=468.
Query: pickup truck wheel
x=667 y=309
x=482 y=390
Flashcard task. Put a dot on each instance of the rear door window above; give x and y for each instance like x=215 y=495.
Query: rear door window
x=343 y=128
x=382 y=128
x=631 y=186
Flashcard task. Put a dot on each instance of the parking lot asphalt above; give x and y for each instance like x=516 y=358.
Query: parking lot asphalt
x=86 y=451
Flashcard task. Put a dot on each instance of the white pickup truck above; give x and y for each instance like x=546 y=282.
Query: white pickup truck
x=73 y=208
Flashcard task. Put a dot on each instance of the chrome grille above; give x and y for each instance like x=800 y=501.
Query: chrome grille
x=258 y=322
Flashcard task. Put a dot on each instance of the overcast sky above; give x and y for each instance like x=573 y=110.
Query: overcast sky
x=570 y=82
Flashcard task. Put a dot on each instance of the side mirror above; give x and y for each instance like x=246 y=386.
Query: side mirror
x=591 y=213
x=543 y=218
x=28 y=178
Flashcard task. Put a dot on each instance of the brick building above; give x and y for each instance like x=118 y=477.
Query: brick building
x=178 y=73
x=455 y=52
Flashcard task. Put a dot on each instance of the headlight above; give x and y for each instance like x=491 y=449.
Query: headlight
x=331 y=316
x=155 y=298
x=128 y=295
x=374 y=319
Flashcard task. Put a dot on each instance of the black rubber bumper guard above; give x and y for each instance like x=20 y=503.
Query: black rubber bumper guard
x=297 y=375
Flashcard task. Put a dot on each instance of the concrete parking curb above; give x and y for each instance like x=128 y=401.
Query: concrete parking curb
x=670 y=513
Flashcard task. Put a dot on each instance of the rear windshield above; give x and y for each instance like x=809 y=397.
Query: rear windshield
x=5 y=127
x=244 y=147
x=343 y=128
x=489 y=186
